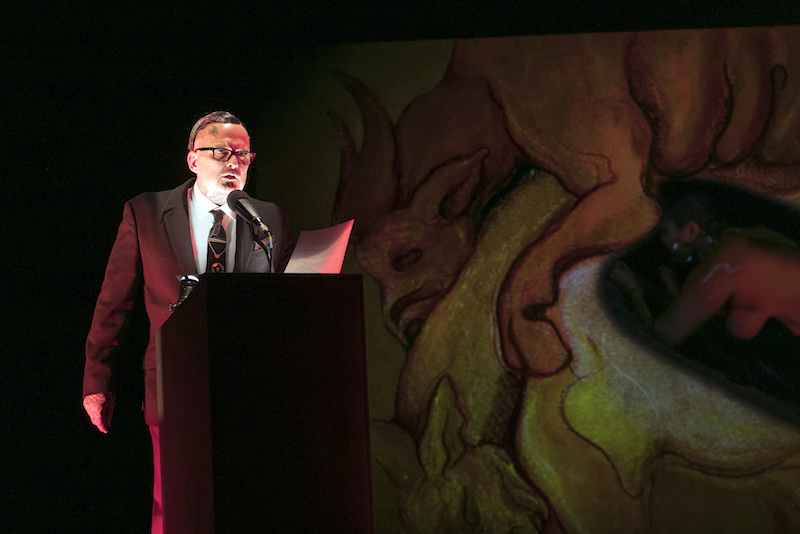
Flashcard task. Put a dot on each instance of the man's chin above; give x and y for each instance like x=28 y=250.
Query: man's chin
x=682 y=254
x=219 y=196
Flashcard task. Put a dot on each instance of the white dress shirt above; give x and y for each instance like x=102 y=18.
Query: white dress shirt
x=200 y=222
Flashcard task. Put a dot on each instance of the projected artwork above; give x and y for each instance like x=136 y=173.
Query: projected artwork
x=495 y=214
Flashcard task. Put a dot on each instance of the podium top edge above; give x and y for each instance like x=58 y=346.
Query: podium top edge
x=212 y=276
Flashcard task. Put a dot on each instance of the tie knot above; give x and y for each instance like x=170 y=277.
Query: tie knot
x=217 y=216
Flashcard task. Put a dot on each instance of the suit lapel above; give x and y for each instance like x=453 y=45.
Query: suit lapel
x=176 y=221
x=244 y=246
x=250 y=257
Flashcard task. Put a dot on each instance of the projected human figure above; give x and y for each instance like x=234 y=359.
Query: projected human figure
x=747 y=274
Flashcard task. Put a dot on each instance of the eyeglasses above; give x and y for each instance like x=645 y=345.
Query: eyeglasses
x=224 y=154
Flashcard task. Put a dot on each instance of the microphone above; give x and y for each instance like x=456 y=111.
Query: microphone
x=239 y=202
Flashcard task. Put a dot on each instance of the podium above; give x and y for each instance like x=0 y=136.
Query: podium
x=263 y=407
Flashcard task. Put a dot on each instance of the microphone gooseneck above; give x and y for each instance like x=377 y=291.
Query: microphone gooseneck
x=241 y=204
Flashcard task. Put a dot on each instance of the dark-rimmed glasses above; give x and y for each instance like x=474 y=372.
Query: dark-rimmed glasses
x=224 y=154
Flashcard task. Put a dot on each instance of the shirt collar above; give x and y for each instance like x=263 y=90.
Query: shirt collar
x=203 y=205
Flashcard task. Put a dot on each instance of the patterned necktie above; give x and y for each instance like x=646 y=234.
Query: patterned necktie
x=216 y=245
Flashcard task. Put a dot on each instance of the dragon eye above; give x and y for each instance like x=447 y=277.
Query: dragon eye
x=404 y=261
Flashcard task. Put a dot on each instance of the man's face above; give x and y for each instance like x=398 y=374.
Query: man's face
x=216 y=179
x=679 y=240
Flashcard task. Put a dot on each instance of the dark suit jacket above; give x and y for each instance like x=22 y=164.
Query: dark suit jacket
x=153 y=248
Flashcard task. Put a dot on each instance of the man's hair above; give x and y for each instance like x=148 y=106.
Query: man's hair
x=685 y=200
x=223 y=117
x=715 y=206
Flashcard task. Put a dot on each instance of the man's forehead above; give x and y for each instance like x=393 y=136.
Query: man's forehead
x=218 y=131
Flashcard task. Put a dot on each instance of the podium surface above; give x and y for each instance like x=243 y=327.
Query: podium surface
x=263 y=406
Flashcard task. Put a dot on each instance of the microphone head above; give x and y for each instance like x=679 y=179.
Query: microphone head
x=235 y=196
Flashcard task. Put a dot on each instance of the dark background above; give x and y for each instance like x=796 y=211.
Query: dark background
x=97 y=104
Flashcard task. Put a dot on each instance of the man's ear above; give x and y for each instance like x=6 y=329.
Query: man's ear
x=191 y=161
x=691 y=231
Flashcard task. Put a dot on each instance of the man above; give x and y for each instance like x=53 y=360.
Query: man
x=749 y=274
x=164 y=235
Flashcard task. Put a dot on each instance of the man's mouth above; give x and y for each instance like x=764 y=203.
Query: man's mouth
x=229 y=180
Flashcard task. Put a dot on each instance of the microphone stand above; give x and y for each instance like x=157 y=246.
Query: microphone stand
x=267 y=249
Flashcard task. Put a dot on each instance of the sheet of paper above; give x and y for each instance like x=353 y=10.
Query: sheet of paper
x=321 y=251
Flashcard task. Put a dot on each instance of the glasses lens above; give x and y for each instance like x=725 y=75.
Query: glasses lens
x=245 y=158
x=222 y=154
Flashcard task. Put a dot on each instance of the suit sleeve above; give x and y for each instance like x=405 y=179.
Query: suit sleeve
x=121 y=285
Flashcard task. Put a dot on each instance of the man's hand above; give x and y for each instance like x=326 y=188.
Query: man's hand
x=624 y=277
x=100 y=407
